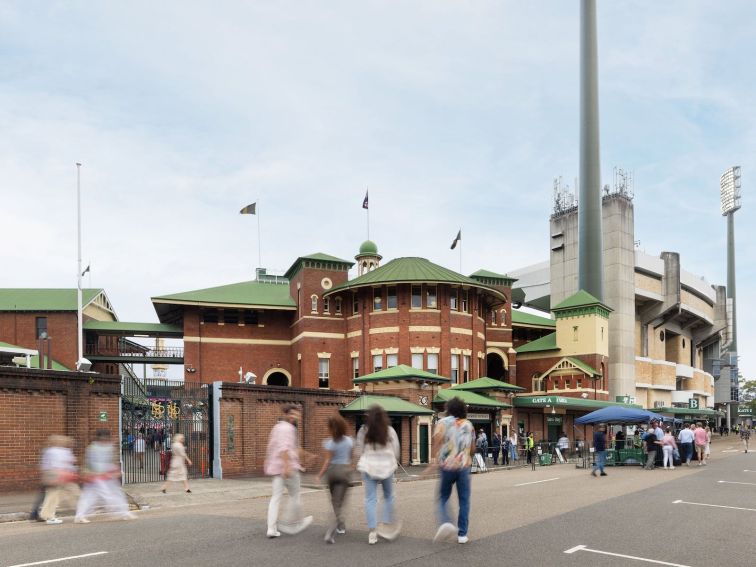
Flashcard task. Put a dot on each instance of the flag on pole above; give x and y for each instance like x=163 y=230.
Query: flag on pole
x=249 y=209
x=85 y=271
x=457 y=239
x=365 y=201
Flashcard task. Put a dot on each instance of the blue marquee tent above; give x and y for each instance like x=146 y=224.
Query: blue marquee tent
x=618 y=414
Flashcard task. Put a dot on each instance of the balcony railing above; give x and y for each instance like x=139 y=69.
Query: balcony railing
x=129 y=352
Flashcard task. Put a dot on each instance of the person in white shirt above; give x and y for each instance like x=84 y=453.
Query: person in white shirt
x=685 y=437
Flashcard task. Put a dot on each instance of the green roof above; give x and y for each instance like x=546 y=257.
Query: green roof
x=410 y=270
x=392 y=405
x=122 y=328
x=243 y=294
x=401 y=372
x=565 y=402
x=62 y=299
x=580 y=299
x=55 y=364
x=547 y=342
x=688 y=411
x=587 y=368
x=522 y=319
x=15 y=349
x=486 y=383
x=368 y=247
x=317 y=257
x=493 y=277
x=470 y=398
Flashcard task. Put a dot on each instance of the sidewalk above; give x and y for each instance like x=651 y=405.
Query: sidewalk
x=16 y=506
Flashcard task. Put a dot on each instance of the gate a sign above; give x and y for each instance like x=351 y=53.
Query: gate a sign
x=692 y=403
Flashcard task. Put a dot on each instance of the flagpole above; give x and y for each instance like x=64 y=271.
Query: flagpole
x=79 y=317
x=367 y=210
x=460 y=255
x=259 y=242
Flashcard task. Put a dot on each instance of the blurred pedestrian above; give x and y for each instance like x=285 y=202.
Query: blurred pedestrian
x=599 y=448
x=707 y=450
x=685 y=438
x=378 y=452
x=495 y=447
x=482 y=443
x=454 y=447
x=650 y=444
x=699 y=437
x=282 y=462
x=101 y=481
x=506 y=449
x=177 y=471
x=669 y=446
x=337 y=468
x=139 y=448
x=59 y=476
x=745 y=436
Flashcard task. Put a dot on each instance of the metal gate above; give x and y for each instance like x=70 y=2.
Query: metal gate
x=154 y=410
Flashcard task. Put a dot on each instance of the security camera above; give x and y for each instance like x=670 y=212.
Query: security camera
x=83 y=365
x=250 y=377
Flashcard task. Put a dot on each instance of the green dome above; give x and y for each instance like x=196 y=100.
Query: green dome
x=368 y=247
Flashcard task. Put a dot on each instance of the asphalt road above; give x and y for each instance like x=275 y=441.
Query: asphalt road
x=686 y=517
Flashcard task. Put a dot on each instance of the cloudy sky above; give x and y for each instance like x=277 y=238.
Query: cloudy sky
x=454 y=114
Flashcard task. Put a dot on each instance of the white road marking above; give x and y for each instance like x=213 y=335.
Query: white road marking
x=732 y=482
x=60 y=559
x=537 y=481
x=746 y=470
x=731 y=451
x=584 y=548
x=713 y=505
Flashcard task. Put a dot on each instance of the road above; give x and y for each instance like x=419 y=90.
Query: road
x=558 y=515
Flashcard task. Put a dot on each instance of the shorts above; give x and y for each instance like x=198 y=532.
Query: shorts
x=701 y=447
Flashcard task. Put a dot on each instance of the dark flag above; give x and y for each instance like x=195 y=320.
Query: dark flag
x=365 y=201
x=457 y=239
x=249 y=209
x=86 y=270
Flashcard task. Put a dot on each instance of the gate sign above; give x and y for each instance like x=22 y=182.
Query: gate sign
x=103 y=416
x=692 y=403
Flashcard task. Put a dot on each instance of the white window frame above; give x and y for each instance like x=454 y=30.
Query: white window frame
x=326 y=306
x=389 y=296
x=392 y=360
x=355 y=304
x=356 y=367
x=417 y=356
x=431 y=297
x=454 y=300
x=464 y=304
x=455 y=369
x=419 y=296
x=432 y=363
x=314 y=303
x=377 y=299
x=324 y=374
x=337 y=301
x=465 y=368
x=377 y=362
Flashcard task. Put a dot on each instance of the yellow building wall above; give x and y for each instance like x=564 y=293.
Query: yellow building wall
x=648 y=283
x=664 y=375
x=585 y=334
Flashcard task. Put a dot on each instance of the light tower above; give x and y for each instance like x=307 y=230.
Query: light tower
x=729 y=193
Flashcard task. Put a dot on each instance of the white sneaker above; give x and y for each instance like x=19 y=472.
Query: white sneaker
x=373 y=537
x=54 y=521
x=274 y=533
x=341 y=530
x=445 y=532
x=462 y=539
x=389 y=532
x=294 y=529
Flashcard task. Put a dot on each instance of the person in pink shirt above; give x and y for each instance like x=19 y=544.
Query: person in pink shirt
x=668 y=447
x=282 y=462
x=699 y=437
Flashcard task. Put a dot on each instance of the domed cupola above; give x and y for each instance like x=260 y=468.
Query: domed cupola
x=368 y=258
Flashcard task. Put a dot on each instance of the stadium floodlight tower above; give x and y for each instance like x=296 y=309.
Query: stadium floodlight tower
x=729 y=192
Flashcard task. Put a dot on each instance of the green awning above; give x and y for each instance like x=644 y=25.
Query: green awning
x=123 y=328
x=485 y=383
x=398 y=373
x=470 y=399
x=691 y=412
x=392 y=405
x=565 y=402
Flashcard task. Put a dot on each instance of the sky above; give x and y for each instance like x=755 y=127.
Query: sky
x=454 y=115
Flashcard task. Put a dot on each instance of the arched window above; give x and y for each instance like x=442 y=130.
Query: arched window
x=537 y=382
x=314 y=303
x=326 y=306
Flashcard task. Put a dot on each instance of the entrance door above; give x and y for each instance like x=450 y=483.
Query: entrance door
x=424 y=443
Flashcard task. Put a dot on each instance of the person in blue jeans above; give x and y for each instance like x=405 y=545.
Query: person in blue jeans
x=454 y=447
x=599 y=447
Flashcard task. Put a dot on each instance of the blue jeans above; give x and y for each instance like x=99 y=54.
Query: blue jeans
x=448 y=478
x=600 y=460
x=371 y=500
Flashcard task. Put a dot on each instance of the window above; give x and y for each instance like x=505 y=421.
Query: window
x=314 y=303
x=568 y=383
x=377 y=362
x=465 y=368
x=231 y=317
x=355 y=367
x=323 y=372
x=537 y=383
x=575 y=333
x=454 y=300
x=455 y=369
x=493 y=317
x=250 y=318
x=417 y=297
x=338 y=305
x=578 y=383
x=417 y=360
x=41 y=326
x=433 y=363
x=391 y=303
x=326 y=305
x=377 y=299
x=392 y=360
x=210 y=316
x=465 y=303
x=430 y=297
x=355 y=304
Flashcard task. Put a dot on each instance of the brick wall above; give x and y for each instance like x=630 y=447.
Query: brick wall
x=20 y=329
x=37 y=403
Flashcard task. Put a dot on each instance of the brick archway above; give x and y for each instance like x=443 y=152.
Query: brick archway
x=277 y=377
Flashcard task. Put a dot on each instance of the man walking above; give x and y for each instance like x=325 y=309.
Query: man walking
x=454 y=447
x=649 y=444
x=685 y=437
x=482 y=444
x=495 y=447
x=599 y=447
x=282 y=462
x=745 y=436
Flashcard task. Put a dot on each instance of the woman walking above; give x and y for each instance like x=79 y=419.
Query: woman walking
x=177 y=471
x=669 y=446
x=336 y=467
x=707 y=449
x=378 y=451
x=59 y=475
